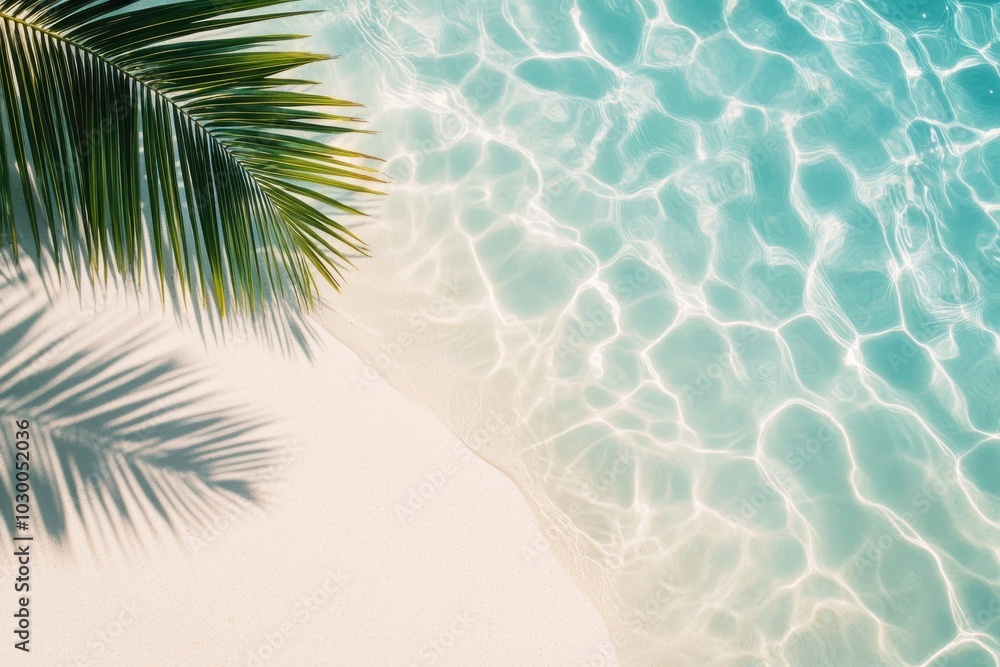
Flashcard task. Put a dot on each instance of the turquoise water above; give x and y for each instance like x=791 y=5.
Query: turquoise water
x=735 y=269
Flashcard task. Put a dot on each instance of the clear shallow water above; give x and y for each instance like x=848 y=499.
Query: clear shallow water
x=729 y=275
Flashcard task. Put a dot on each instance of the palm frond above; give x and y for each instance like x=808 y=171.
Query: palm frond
x=144 y=132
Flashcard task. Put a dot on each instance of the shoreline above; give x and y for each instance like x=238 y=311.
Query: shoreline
x=327 y=570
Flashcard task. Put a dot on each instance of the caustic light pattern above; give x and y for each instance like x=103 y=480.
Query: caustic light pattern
x=738 y=265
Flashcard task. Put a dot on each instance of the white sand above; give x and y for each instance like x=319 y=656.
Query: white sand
x=467 y=579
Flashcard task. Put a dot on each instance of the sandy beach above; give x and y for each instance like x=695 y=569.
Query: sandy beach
x=379 y=538
x=639 y=333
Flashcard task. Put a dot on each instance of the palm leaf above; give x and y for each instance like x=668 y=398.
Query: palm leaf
x=143 y=132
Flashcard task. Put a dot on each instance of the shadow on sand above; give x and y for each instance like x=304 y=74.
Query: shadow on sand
x=127 y=446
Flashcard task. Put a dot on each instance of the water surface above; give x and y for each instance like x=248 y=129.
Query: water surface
x=718 y=284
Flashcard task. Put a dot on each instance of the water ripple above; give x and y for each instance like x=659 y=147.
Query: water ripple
x=735 y=268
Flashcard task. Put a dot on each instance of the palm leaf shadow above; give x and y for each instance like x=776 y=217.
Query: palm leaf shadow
x=123 y=448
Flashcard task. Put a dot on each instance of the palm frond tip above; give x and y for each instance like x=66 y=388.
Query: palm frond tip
x=109 y=109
